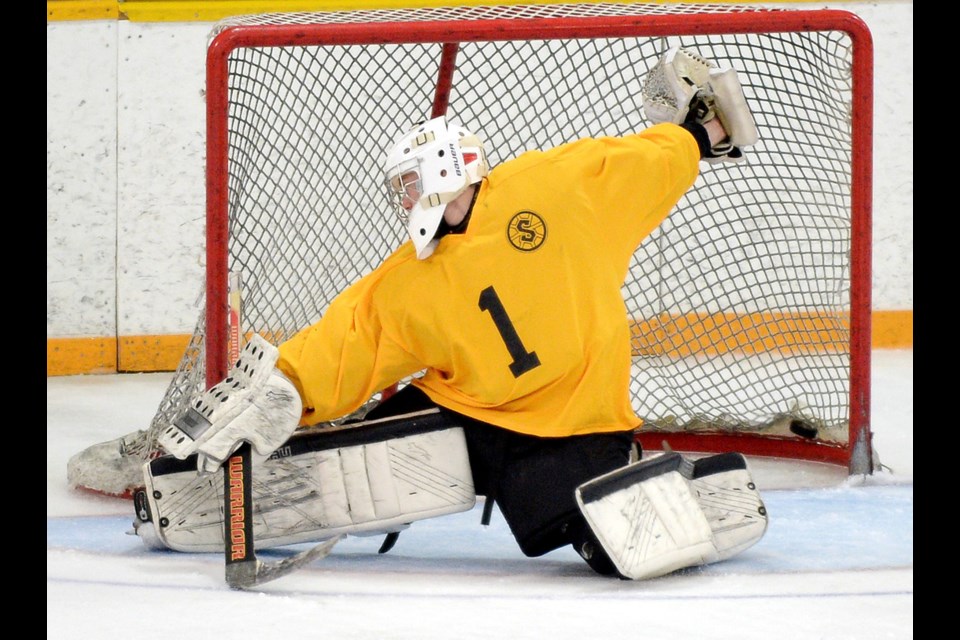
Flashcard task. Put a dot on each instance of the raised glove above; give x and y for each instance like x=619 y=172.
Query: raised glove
x=685 y=87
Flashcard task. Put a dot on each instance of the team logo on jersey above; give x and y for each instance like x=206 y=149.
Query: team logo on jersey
x=526 y=231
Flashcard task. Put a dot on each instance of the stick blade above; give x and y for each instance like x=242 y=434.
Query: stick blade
x=254 y=572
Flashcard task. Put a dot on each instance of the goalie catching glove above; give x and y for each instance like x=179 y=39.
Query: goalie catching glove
x=255 y=403
x=684 y=87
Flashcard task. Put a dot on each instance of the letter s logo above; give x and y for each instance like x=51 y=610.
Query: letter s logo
x=526 y=231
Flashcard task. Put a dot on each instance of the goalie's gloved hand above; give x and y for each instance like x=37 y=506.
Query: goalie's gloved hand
x=685 y=88
x=255 y=403
x=701 y=110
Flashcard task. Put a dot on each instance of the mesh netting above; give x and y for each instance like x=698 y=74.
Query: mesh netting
x=739 y=302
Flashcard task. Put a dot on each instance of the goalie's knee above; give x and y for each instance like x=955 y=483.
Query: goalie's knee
x=586 y=544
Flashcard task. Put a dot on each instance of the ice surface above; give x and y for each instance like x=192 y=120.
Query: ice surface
x=836 y=562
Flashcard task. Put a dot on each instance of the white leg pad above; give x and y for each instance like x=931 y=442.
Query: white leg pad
x=359 y=481
x=730 y=501
x=647 y=518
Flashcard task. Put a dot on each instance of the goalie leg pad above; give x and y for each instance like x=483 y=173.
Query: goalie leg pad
x=647 y=518
x=368 y=479
x=667 y=513
x=254 y=403
x=730 y=501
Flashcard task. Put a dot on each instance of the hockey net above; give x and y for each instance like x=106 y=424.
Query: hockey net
x=750 y=304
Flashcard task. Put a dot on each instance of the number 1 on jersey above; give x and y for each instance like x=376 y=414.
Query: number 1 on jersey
x=523 y=360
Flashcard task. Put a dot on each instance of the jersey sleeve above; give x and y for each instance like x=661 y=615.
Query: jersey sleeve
x=635 y=180
x=340 y=361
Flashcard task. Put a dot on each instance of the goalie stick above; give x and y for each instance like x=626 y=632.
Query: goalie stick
x=243 y=569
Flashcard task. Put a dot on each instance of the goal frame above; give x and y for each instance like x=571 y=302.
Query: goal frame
x=856 y=453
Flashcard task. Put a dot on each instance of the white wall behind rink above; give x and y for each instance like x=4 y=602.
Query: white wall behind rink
x=125 y=170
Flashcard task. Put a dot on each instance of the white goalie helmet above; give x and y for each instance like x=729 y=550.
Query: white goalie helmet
x=426 y=168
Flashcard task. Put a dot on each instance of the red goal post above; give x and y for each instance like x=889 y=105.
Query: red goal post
x=749 y=306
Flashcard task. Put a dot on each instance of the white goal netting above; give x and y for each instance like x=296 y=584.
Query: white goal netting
x=749 y=305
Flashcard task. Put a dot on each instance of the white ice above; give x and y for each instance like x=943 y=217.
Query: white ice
x=836 y=562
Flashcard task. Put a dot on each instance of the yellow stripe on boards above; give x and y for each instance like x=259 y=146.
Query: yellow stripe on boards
x=715 y=333
x=175 y=11
x=719 y=333
x=792 y=333
x=75 y=356
x=71 y=356
x=892 y=329
x=82 y=10
x=213 y=10
x=151 y=353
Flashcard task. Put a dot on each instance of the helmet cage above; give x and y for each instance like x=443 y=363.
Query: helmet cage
x=429 y=167
x=404 y=185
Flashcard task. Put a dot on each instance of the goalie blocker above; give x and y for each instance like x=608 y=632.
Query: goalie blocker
x=366 y=478
x=254 y=403
x=667 y=513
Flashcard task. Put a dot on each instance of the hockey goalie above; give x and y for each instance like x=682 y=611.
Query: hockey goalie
x=504 y=310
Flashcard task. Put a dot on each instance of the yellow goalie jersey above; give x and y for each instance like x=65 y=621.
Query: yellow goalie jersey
x=518 y=321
